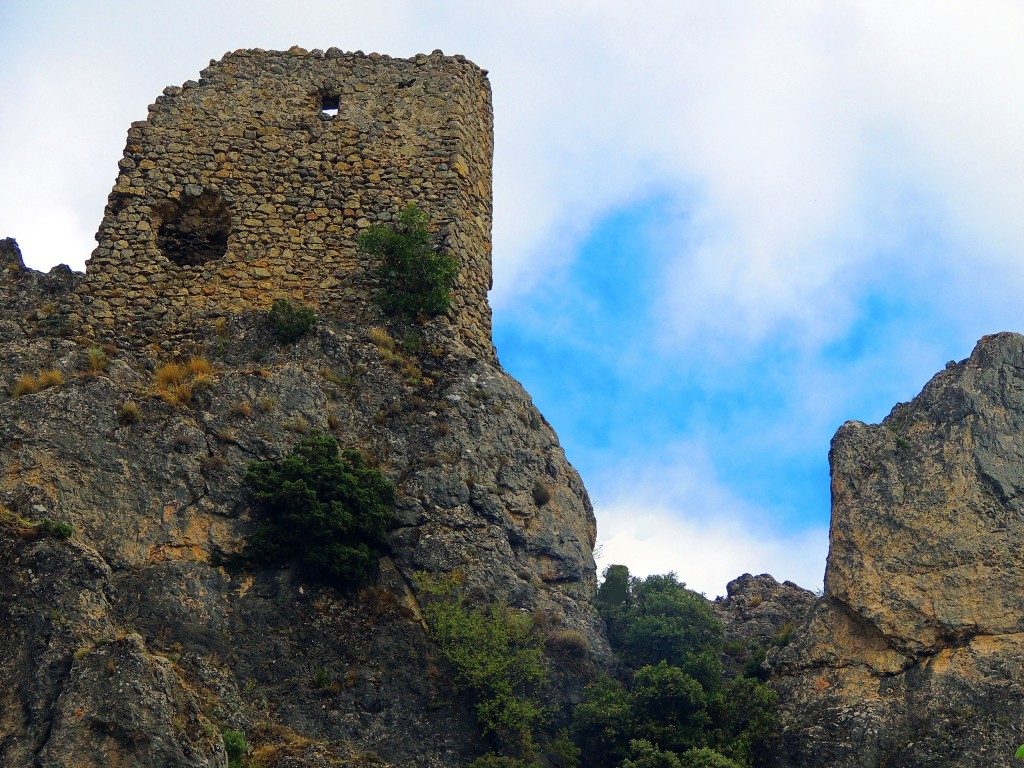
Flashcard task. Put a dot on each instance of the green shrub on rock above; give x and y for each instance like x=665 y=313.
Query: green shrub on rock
x=707 y=758
x=416 y=279
x=496 y=761
x=643 y=754
x=290 y=322
x=235 y=746
x=55 y=528
x=324 y=509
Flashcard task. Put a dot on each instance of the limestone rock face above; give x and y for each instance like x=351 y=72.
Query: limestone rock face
x=914 y=655
x=927 y=524
x=132 y=642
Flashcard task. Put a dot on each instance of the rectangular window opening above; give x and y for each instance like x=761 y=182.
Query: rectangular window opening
x=329 y=106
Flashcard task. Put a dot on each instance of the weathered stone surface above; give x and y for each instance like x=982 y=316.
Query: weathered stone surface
x=161 y=500
x=914 y=655
x=73 y=683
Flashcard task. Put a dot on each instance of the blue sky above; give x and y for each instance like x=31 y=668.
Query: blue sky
x=721 y=229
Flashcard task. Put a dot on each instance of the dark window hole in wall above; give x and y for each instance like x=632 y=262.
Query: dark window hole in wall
x=329 y=106
x=194 y=230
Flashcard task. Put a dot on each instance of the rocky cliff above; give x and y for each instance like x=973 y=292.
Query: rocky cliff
x=131 y=642
x=913 y=657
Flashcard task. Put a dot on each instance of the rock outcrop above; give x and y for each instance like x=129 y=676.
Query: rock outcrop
x=132 y=643
x=759 y=613
x=914 y=655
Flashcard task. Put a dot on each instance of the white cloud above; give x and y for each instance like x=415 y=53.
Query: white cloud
x=674 y=515
x=707 y=554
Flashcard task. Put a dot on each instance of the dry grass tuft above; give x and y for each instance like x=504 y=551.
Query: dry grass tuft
x=570 y=642
x=97 y=359
x=297 y=424
x=129 y=413
x=541 y=493
x=170 y=374
x=242 y=409
x=49 y=378
x=380 y=338
x=273 y=743
x=27 y=384
x=200 y=366
x=329 y=374
x=177 y=383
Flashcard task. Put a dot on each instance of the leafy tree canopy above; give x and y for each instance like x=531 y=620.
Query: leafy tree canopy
x=678 y=710
x=658 y=619
x=495 y=655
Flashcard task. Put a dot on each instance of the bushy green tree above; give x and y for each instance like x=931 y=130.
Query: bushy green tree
x=604 y=722
x=235 y=746
x=323 y=509
x=704 y=757
x=497 y=761
x=661 y=620
x=416 y=278
x=643 y=754
x=746 y=721
x=670 y=708
x=679 y=710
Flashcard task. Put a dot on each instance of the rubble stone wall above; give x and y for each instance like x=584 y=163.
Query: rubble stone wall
x=242 y=188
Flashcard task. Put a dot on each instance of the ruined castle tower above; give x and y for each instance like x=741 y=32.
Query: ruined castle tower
x=254 y=183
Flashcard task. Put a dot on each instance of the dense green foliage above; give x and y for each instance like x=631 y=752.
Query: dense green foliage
x=496 y=761
x=55 y=528
x=290 y=322
x=235 y=746
x=659 y=620
x=416 y=279
x=679 y=710
x=325 y=510
x=495 y=654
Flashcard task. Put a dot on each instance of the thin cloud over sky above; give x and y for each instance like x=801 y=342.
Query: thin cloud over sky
x=742 y=223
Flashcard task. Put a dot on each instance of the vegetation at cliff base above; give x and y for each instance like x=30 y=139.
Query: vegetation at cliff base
x=416 y=278
x=678 y=709
x=323 y=509
x=496 y=654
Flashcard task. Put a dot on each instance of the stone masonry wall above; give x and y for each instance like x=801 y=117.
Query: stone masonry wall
x=240 y=188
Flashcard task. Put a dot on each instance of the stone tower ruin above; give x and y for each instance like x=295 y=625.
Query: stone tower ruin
x=255 y=182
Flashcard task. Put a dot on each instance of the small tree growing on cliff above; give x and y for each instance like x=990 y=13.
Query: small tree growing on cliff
x=324 y=509
x=416 y=278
